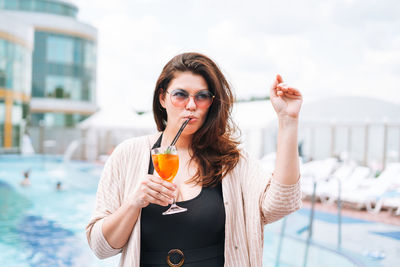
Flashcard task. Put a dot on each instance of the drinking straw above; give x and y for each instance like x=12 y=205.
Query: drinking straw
x=179 y=132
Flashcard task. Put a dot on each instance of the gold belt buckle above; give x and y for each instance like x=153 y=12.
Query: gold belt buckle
x=175 y=251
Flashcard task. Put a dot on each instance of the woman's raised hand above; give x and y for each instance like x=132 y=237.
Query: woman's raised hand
x=285 y=99
x=154 y=190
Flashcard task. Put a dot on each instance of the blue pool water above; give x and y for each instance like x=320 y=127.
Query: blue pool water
x=40 y=226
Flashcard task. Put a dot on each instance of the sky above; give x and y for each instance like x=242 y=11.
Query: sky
x=323 y=48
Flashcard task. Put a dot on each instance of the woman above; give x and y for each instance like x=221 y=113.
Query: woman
x=228 y=196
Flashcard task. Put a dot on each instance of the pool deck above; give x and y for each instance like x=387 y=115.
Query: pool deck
x=383 y=216
x=375 y=238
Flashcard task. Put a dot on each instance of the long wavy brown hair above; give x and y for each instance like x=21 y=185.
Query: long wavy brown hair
x=214 y=147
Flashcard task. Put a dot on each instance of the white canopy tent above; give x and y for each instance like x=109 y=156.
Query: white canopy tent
x=108 y=127
x=253 y=115
x=118 y=119
x=256 y=122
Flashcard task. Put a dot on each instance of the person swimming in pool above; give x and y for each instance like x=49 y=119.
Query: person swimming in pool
x=26 y=181
x=58 y=186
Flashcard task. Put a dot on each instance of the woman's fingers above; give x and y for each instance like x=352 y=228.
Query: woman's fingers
x=284 y=89
x=160 y=181
x=161 y=189
x=278 y=80
x=151 y=199
x=154 y=196
x=158 y=197
x=287 y=92
x=158 y=191
x=291 y=96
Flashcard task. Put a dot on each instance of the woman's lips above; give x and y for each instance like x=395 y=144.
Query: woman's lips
x=192 y=119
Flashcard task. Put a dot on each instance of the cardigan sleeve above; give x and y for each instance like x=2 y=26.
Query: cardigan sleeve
x=279 y=200
x=108 y=199
x=273 y=199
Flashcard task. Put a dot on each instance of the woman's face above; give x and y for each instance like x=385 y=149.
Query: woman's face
x=179 y=108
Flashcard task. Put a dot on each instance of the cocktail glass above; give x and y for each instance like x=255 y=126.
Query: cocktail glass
x=166 y=163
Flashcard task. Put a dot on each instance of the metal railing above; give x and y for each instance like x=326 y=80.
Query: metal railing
x=310 y=226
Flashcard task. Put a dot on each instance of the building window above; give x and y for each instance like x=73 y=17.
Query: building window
x=3 y=60
x=25 y=4
x=25 y=110
x=60 y=50
x=39 y=6
x=16 y=134
x=2 y=119
x=11 y=4
x=2 y=112
x=16 y=114
x=2 y=78
x=63 y=87
x=36 y=118
x=52 y=119
x=16 y=120
x=72 y=76
x=90 y=55
x=14 y=67
x=44 y=6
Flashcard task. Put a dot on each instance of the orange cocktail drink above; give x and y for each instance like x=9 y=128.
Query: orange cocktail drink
x=166 y=165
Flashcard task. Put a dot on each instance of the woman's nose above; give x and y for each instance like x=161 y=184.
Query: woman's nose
x=191 y=104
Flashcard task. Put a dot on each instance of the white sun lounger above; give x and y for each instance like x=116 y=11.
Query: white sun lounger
x=349 y=177
x=392 y=204
x=371 y=190
x=317 y=171
x=389 y=200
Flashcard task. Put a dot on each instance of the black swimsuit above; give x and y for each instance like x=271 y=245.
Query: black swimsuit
x=198 y=234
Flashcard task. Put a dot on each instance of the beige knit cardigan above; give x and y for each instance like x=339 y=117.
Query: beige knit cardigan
x=251 y=198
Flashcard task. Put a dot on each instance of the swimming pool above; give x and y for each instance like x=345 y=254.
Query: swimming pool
x=40 y=226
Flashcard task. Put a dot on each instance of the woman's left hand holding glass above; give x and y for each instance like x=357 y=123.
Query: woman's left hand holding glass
x=285 y=99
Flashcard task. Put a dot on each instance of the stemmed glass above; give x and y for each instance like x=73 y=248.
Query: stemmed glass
x=166 y=163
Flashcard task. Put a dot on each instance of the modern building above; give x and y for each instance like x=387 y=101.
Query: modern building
x=47 y=62
x=16 y=45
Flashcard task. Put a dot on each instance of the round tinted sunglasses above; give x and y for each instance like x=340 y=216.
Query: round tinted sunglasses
x=180 y=98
